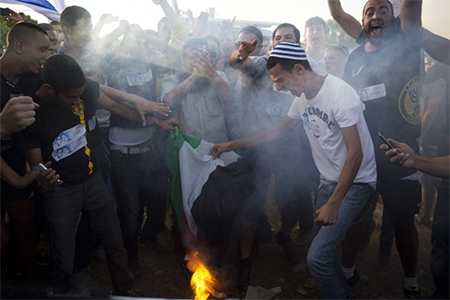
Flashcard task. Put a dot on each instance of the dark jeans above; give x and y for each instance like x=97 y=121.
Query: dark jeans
x=86 y=241
x=63 y=207
x=137 y=178
x=440 y=242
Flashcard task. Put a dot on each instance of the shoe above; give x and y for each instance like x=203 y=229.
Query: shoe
x=243 y=279
x=411 y=292
x=154 y=246
x=134 y=270
x=302 y=238
x=129 y=293
x=352 y=281
x=289 y=248
x=384 y=253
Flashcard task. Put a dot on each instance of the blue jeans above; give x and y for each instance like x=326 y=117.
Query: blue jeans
x=323 y=259
x=63 y=207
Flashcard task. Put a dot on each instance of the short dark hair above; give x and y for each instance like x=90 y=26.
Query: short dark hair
x=46 y=26
x=24 y=31
x=195 y=43
x=288 y=25
x=287 y=64
x=255 y=31
x=390 y=5
x=72 y=14
x=54 y=23
x=63 y=73
x=212 y=39
x=316 y=21
x=163 y=19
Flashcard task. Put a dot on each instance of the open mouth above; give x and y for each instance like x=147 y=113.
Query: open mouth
x=376 y=29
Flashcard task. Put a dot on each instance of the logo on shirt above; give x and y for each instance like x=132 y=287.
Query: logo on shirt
x=409 y=102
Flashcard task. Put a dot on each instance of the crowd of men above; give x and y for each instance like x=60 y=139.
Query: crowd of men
x=95 y=113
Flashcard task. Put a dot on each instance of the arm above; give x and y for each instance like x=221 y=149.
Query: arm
x=328 y=213
x=239 y=59
x=118 y=108
x=17 y=114
x=13 y=16
x=178 y=93
x=438 y=47
x=411 y=17
x=48 y=179
x=404 y=156
x=14 y=179
x=142 y=105
x=348 y=23
x=260 y=139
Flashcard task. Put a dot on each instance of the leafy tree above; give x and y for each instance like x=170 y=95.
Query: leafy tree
x=6 y=24
x=337 y=36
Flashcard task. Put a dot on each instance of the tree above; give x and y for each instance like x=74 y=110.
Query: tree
x=337 y=36
x=6 y=24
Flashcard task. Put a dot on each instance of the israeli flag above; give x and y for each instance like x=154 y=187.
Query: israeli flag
x=50 y=9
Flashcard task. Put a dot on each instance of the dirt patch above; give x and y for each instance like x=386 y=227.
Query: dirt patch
x=163 y=277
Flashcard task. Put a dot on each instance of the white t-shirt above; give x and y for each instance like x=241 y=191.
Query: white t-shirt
x=336 y=106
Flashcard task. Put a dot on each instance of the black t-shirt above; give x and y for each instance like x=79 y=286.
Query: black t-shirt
x=63 y=138
x=388 y=82
x=27 y=86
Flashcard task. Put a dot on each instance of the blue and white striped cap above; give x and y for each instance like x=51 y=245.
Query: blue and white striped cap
x=289 y=50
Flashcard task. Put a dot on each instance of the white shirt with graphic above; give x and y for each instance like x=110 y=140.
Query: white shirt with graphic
x=336 y=106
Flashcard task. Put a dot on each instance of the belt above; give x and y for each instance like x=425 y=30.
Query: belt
x=132 y=150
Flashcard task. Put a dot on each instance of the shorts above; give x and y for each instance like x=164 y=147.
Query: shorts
x=401 y=197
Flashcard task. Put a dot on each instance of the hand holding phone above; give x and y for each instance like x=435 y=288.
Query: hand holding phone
x=385 y=140
x=40 y=168
x=4 y=12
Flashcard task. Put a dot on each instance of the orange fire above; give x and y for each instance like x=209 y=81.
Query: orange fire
x=202 y=281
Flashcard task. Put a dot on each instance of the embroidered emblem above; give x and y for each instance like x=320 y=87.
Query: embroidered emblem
x=78 y=109
x=409 y=102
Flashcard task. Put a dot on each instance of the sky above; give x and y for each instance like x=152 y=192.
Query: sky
x=435 y=13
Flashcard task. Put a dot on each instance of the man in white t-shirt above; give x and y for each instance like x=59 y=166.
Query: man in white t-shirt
x=332 y=116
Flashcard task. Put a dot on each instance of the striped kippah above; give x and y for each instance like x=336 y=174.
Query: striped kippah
x=289 y=50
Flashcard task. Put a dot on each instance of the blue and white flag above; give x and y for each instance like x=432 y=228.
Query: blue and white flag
x=44 y=7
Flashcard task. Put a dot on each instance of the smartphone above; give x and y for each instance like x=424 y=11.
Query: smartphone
x=203 y=18
x=40 y=168
x=4 y=12
x=385 y=140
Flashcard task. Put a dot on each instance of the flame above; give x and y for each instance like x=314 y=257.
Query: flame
x=202 y=281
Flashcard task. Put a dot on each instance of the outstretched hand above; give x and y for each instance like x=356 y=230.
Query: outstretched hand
x=217 y=149
x=149 y=107
x=246 y=48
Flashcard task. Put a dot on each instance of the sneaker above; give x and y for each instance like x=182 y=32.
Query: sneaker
x=352 y=281
x=289 y=248
x=384 y=253
x=134 y=270
x=411 y=292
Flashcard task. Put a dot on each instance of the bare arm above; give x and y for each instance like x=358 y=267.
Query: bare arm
x=14 y=179
x=437 y=46
x=328 y=213
x=411 y=17
x=348 y=23
x=239 y=59
x=48 y=179
x=178 y=93
x=260 y=139
x=404 y=156
x=142 y=105
x=17 y=114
